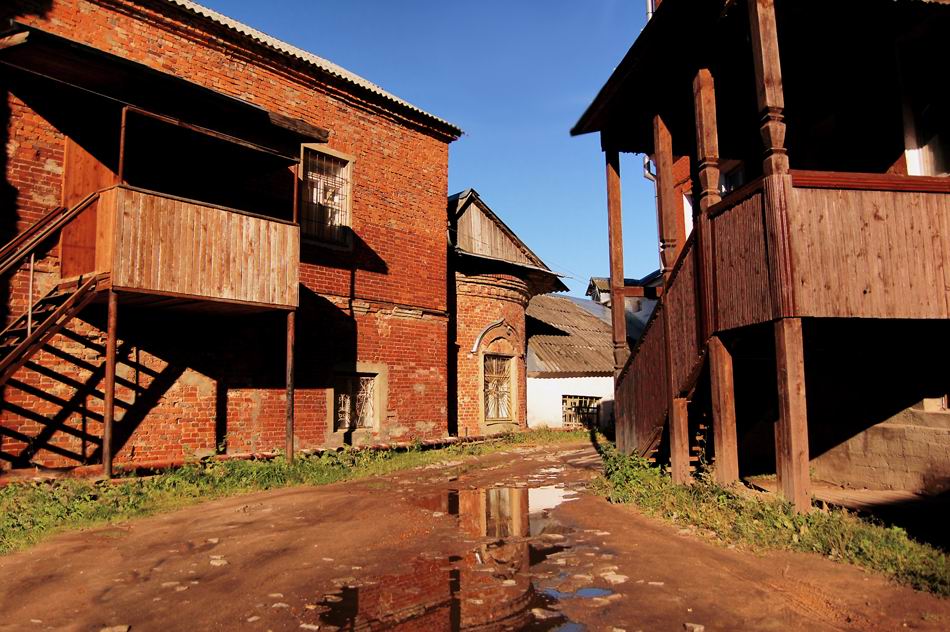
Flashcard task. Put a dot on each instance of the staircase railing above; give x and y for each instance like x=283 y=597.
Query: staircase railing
x=74 y=302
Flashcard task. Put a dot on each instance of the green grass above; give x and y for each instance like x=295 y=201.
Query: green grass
x=30 y=512
x=739 y=517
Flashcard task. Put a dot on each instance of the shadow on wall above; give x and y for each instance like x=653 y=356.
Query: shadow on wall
x=55 y=416
x=8 y=192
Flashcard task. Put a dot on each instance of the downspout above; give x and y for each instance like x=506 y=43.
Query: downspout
x=649 y=10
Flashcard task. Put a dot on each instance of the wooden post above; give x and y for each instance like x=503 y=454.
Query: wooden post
x=291 y=319
x=615 y=231
x=791 y=431
x=109 y=395
x=707 y=150
x=777 y=183
x=679 y=440
x=670 y=223
x=722 y=387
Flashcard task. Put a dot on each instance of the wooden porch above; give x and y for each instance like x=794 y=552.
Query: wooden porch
x=834 y=215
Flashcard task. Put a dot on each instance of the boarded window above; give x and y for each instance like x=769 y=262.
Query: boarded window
x=497 y=388
x=354 y=400
x=325 y=192
x=579 y=411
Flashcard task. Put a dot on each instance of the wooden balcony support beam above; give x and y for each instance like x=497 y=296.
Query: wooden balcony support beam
x=109 y=387
x=777 y=184
x=722 y=385
x=615 y=232
x=291 y=330
x=679 y=441
x=707 y=149
x=791 y=429
x=670 y=222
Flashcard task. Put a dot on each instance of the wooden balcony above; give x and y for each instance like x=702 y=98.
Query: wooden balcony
x=162 y=245
x=857 y=245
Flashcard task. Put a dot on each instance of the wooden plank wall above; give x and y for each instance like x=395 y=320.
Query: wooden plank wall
x=83 y=174
x=642 y=392
x=478 y=234
x=167 y=245
x=740 y=265
x=682 y=309
x=870 y=253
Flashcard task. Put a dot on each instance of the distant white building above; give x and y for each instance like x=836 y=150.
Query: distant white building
x=570 y=363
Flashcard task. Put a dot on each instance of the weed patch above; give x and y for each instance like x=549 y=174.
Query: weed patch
x=30 y=512
x=770 y=523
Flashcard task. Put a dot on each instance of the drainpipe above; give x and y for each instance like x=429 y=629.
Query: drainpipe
x=649 y=10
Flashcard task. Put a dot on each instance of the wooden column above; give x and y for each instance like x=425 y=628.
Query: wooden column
x=722 y=385
x=615 y=231
x=679 y=441
x=670 y=222
x=791 y=430
x=108 y=415
x=707 y=151
x=291 y=319
x=777 y=184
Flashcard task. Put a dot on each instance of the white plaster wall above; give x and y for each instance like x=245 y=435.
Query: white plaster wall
x=544 y=397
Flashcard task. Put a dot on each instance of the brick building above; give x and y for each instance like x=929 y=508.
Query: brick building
x=496 y=275
x=200 y=197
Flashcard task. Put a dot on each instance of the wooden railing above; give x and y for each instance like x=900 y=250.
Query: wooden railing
x=664 y=360
x=861 y=246
x=160 y=244
x=870 y=245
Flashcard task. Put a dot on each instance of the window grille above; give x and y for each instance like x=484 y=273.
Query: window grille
x=355 y=403
x=325 y=207
x=497 y=388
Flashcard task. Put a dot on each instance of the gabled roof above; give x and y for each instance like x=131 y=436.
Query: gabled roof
x=603 y=283
x=319 y=63
x=459 y=204
x=569 y=340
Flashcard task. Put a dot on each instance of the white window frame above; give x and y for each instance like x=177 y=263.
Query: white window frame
x=347 y=210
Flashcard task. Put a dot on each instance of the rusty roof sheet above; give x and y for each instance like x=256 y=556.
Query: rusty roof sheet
x=311 y=59
x=576 y=343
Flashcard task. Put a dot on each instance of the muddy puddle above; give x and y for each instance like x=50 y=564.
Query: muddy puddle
x=515 y=573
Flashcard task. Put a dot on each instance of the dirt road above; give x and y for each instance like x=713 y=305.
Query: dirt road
x=508 y=541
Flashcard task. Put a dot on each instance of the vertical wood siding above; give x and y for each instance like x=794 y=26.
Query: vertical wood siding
x=682 y=309
x=870 y=254
x=740 y=265
x=643 y=392
x=480 y=235
x=167 y=245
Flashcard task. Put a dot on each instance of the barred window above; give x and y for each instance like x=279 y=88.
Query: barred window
x=325 y=196
x=354 y=402
x=497 y=388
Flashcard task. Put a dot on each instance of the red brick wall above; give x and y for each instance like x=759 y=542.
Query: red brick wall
x=483 y=299
x=399 y=192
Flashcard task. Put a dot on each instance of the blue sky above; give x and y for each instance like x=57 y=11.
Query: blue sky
x=515 y=76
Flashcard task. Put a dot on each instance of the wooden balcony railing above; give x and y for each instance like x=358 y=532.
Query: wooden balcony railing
x=159 y=244
x=861 y=246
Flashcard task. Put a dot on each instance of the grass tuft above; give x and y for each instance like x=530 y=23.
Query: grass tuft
x=741 y=518
x=31 y=512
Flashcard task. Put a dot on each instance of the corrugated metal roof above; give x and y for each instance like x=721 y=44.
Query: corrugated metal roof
x=580 y=344
x=318 y=62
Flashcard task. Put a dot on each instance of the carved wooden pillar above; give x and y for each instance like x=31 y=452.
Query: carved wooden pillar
x=615 y=232
x=791 y=431
x=670 y=222
x=707 y=152
x=777 y=183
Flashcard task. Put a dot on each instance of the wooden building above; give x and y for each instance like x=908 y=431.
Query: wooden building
x=495 y=275
x=808 y=304
x=215 y=242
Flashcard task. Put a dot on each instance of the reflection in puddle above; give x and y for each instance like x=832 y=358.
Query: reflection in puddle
x=488 y=588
